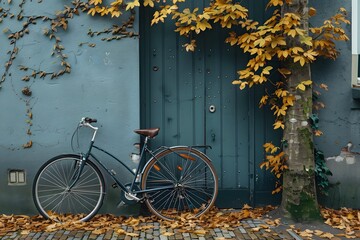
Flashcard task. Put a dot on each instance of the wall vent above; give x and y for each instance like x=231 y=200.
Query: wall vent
x=16 y=177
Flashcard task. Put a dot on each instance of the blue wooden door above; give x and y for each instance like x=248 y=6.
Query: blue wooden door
x=191 y=98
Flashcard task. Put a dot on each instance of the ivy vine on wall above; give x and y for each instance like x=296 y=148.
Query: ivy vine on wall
x=55 y=24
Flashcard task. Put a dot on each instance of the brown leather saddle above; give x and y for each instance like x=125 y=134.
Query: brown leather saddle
x=149 y=132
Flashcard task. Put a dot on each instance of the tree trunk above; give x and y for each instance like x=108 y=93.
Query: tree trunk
x=299 y=201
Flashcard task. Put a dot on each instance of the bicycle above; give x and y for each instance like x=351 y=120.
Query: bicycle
x=173 y=181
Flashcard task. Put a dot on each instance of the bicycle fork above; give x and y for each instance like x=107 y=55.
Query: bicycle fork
x=76 y=176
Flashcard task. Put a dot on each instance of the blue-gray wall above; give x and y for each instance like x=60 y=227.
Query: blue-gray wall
x=104 y=84
x=340 y=120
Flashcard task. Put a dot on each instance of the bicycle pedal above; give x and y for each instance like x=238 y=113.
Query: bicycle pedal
x=120 y=204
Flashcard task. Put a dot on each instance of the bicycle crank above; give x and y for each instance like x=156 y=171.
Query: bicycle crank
x=129 y=198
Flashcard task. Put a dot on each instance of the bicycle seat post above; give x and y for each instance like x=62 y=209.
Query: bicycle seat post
x=144 y=147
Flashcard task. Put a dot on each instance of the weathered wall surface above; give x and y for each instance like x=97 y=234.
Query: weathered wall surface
x=103 y=84
x=340 y=120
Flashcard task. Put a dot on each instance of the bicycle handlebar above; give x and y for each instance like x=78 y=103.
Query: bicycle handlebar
x=88 y=120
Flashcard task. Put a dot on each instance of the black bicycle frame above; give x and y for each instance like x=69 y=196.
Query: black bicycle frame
x=139 y=168
x=85 y=157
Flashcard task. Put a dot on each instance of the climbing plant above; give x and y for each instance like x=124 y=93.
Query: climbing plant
x=56 y=26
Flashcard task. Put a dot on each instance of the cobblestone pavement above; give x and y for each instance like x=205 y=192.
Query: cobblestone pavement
x=250 y=229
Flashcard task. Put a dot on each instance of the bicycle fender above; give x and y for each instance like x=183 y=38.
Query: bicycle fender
x=170 y=148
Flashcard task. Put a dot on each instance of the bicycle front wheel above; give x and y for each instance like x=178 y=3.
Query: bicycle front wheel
x=55 y=198
x=179 y=181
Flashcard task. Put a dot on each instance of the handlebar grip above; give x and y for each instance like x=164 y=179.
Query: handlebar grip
x=90 y=120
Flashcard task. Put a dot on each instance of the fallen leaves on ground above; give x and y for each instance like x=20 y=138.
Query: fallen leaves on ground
x=225 y=219
x=345 y=219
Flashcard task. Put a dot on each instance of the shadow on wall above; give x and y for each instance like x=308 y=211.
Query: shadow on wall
x=345 y=189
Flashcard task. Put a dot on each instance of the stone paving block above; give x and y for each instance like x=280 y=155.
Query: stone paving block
x=178 y=236
x=162 y=237
x=149 y=236
x=194 y=236
x=242 y=230
x=121 y=236
x=226 y=235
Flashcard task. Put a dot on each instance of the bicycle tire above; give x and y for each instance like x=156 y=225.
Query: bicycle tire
x=192 y=180
x=51 y=193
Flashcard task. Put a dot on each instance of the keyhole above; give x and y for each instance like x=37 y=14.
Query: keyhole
x=212 y=108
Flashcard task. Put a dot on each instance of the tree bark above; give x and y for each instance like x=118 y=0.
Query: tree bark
x=299 y=201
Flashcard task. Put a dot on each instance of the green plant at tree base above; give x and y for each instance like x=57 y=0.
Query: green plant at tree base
x=321 y=173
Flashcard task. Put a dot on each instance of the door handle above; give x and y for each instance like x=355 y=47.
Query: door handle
x=213 y=136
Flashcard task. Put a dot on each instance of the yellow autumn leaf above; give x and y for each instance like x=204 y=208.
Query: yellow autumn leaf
x=203 y=25
x=261 y=42
x=281 y=111
x=300 y=86
x=277 y=190
x=120 y=231
x=324 y=86
x=263 y=100
x=274 y=150
x=235 y=82
x=300 y=59
x=278 y=41
x=284 y=71
x=312 y=11
x=95 y=2
x=318 y=133
x=168 y=234
x=25 y=232
x=243 y=85
x=307 y=82
x=92 y=11
x=131 y=234
x=275 y=3
x=267 y=70
x=281 y=92
x=190 y=47
x=297 y=50
x=292 y=32
x=115 y=14
x=306 y=40
x=289 y=100
x=268 y=147
x=131 y=5
x=98 y=231
x=279 y=124
x=149 y=3
x=200 y=232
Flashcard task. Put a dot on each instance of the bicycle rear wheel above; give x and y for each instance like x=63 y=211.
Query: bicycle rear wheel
x=52 y=194
x=188 y=181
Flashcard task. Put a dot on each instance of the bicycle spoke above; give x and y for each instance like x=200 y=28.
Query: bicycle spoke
x=193 y=178
x=52 y=193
